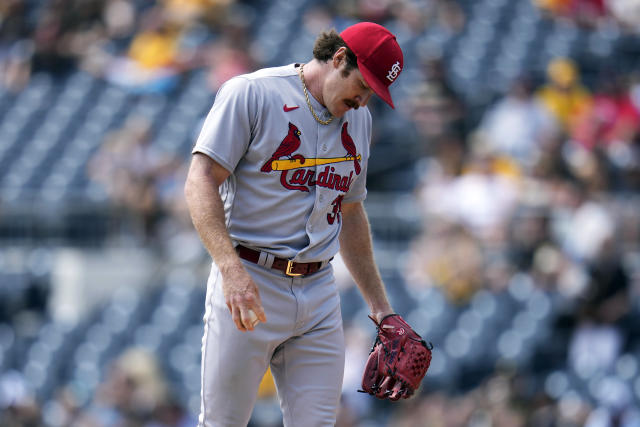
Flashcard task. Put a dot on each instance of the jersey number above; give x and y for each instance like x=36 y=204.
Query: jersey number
x=337 y=209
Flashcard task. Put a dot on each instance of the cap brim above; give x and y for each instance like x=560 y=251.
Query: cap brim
x=379 y=88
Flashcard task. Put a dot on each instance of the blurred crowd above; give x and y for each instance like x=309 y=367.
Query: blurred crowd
x=134 y=392
x=546 y=182
x=143 y=46
x=592 y=13
x=542 y=183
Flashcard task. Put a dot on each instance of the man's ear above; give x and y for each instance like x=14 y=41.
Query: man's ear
x=339 y=57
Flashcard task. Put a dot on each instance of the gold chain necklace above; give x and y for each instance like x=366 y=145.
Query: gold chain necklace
x=306 y=95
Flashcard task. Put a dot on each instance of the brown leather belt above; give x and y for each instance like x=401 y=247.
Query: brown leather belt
x=288 y=267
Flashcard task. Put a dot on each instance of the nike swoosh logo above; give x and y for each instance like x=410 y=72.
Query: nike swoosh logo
x=287 y=109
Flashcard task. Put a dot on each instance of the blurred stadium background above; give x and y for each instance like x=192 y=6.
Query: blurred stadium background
x=503 y=197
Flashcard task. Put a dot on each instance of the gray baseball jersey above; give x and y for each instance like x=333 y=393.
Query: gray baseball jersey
x=290 y=174
x=289 y=177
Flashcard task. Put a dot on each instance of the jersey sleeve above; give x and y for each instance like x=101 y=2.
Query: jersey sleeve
x=227 y=131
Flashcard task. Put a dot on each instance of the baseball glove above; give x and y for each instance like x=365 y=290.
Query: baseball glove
x=398 y=361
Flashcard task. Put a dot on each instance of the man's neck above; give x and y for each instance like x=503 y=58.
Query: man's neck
x=314 y=75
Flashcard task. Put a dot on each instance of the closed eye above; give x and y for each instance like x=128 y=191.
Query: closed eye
x=364 y=86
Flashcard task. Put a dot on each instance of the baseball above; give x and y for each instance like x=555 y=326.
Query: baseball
x=253 y=318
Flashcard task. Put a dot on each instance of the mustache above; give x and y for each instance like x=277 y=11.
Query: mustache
x=352 y=104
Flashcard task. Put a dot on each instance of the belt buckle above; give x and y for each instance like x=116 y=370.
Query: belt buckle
x=289 y=268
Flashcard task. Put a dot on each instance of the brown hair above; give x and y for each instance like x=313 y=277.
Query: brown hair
x=328 y=43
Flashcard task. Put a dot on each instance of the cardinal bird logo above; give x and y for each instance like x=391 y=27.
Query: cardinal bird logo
x=289 y=144
x=301 y=173
x=348 y=145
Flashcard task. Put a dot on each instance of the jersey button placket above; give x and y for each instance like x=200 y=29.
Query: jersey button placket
x=318 y=190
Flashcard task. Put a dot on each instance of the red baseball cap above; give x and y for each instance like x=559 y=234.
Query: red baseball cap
x=379 y=56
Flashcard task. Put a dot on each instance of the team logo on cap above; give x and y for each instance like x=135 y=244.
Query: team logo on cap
x=394 y=71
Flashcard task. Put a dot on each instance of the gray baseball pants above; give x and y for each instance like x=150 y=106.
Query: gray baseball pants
x=302 y=341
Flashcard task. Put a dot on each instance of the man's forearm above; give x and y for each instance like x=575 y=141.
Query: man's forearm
x=357 y=252
x=207 y=214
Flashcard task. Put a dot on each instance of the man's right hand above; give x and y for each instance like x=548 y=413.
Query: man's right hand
x=241 y=295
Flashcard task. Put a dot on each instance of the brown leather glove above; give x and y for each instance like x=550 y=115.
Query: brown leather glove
x=398 y=360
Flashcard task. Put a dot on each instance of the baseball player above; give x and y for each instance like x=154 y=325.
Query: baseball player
x=275 y=189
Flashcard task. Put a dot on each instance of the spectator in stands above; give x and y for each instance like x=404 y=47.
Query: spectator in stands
x=467 y=204
x=16 y=49
x=485 y=195
x=119 y=17
x=118 y=21
x=15 y=65
x=518 y=124
x=627 y=13
x=528 y=231
x=450 y=257
x=563 y=94
x=226 y=58
x=435 y=111
x=152 y=61
x=136 y=176
x=601 y=316
x=582 y=221
x=186 y=11
x=18 y=405
x=586 y=230
x=362 y=10
x=606 y=299
x=413 y=17
x=612 y=118
x=133 y=389
x=49 y=55
x=63 y=32
x=610 y=128
x=448 y=16
x=588 y=13
x=437 y=99
x=14 y=25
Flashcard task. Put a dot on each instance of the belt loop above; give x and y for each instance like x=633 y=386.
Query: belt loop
x=262 y=259
x=267 y=259
x=324 y=263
